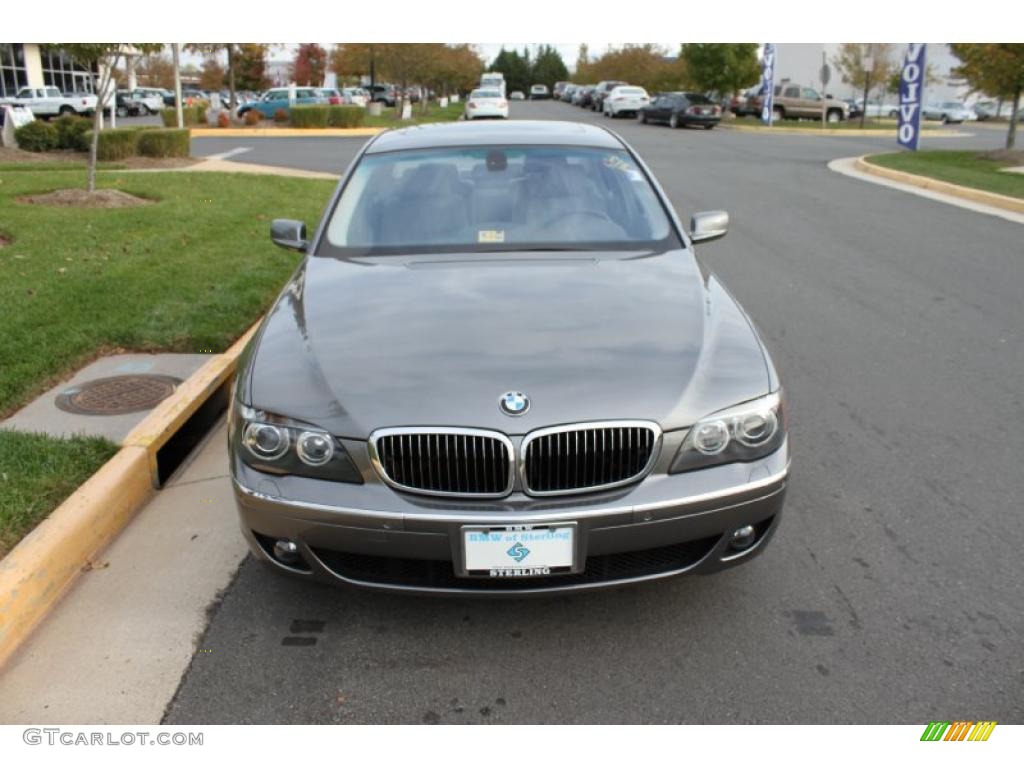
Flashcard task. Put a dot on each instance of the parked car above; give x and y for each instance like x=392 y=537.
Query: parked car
x=331 y=95
x=948 y=112
x=738 y=102
x=584 y=97
x=384 y=93
x=49 y=102
x=853 y=109
x=559 y=89
x=538 y=92
x=797 y=101
x=279 y=98
x=681 y=109
x=355 y=96
x=625 y=100
x=517 y=96
x=127 y=106
x=567 y=92
x=517 y=462
x=485 y=102
x=601 y=90
x=876 y=109
x=154 y=99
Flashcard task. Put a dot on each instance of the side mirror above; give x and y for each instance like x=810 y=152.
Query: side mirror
x=289 y=233
x=709 y=225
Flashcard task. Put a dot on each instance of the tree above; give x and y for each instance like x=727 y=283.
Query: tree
x=353 y=60
x=156 y=71
x=995 y=69
x=515 y=68
x=101 y=60
x=309 y=65
x=211 y=50
x=725 y=68
x=865 y=66
x=548 y=67
x=582 y=62
x=212 y=75
x=250 y=64
x=646 y=65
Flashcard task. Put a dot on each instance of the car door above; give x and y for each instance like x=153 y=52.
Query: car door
x=810 y=103
x=791 y=96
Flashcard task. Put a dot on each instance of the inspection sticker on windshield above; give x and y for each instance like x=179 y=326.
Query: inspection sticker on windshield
x=491 y=236
x=518 y=550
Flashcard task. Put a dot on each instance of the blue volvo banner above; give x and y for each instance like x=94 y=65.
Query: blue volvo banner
x=911 y=96
x=768 y=83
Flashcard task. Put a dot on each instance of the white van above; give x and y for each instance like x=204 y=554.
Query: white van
x=493 y=80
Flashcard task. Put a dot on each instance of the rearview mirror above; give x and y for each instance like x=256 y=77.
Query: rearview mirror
x=289 y=233
x=709 y=225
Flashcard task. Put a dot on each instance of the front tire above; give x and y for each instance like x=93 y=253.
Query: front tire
x=779 y=114
x=833 y=116
x=673 y=121
x=642 y=117
x=709 y=126
x=65 y=110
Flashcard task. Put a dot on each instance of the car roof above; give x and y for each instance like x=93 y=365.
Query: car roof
x=521 y=132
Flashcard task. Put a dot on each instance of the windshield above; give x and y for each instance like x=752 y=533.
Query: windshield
x=485 y=95
x=498 y=198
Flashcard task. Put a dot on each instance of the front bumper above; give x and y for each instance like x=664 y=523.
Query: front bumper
x=372 y=536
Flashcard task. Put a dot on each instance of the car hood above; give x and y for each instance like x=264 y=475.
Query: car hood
x=353 y=345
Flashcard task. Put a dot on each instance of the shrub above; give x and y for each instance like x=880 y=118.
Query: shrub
x=309 y=116
x=71 y=131
x=223 y=120
x=167 y=142
x=253 y=117
x=281 y=115
x=194 y=115
x=115 y=143
x=345 y=116
x=37 y=136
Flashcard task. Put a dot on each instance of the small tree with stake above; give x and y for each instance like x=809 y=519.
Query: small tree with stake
x=996 y=69
x=864 y=66
x=90 y=56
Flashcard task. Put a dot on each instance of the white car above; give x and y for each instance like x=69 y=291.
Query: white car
x=355 y=96
x=539 y=92
x=948 y=112
x=486 y=102
x=153 y=99
x=625 y=100
x=876 y=108
x=516 y=96
x=49 y=102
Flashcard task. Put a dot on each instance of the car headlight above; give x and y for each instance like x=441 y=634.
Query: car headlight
x=745 y=432
x=283 y=446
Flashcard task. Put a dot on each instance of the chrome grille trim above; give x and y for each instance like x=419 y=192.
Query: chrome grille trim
x=442 y=461
x=560 y=461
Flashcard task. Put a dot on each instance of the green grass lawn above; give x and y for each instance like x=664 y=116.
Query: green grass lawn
x=434 y=114
x=37 y=473
x=187 y=274
x=967 y=168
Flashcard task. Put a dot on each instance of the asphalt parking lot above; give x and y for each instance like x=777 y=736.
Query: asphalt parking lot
x=892 y=590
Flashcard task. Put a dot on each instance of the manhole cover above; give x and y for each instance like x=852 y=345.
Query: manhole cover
x=117 y=394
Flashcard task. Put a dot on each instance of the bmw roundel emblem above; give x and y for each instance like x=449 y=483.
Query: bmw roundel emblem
x=514 y=403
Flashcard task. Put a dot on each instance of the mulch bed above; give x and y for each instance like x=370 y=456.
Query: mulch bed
x=81 y=198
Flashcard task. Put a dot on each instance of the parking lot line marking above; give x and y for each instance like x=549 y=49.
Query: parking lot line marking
x=229 y=153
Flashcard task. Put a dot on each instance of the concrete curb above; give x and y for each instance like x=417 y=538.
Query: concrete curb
x=231 y=133
x=44 y=565
x=993 y=199
x=883 y=133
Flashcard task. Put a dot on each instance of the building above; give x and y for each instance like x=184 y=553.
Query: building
x=34 y=65
x=801 y=63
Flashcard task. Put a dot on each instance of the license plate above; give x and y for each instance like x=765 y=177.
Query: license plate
x=515 y=551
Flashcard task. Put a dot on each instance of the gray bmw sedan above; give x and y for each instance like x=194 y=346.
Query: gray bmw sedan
x=500 y=369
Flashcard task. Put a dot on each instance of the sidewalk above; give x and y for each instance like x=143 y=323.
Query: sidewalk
x=115 y=648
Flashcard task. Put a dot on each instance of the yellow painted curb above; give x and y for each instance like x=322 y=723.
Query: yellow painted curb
x=835 y=131
x=43 y=566
x=281 y=132
x=993 y=199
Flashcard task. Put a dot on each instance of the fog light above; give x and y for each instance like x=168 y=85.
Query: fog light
x=286 y=551
x=742 y=538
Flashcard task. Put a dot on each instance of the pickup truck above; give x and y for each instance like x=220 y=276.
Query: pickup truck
x=50 y=102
